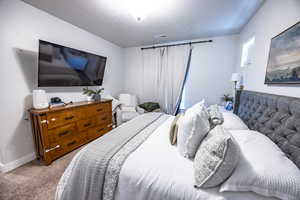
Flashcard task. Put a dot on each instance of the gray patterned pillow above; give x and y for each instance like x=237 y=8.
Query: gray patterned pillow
x=216 y=158
x=215 y=116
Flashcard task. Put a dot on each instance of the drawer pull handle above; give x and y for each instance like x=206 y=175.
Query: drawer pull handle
x=72 y=143
x=100 y=129
x=56 y=147
x=69 y=118
x=63 y=133
x=100 y=109
x=104 y=118
x=86 y=125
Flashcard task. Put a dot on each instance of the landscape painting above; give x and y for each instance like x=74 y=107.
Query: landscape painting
x=284 y=58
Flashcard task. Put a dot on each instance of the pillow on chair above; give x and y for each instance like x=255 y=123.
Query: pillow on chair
x=149 y=106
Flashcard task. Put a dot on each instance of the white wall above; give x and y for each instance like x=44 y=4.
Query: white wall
x=273 y=17
x=211 y=67
x=21 y=25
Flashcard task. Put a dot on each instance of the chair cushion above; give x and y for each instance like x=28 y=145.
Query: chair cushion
x=126 y=116
x=128 y=108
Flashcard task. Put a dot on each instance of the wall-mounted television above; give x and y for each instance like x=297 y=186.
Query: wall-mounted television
x=60 y=66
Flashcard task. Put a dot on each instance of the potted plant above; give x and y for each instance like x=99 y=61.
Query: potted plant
x=94 y=94
x=227 y=97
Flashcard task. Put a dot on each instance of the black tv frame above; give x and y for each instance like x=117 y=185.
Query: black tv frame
x=38 y=82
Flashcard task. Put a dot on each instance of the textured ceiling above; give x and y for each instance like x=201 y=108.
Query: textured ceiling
x=177 y=19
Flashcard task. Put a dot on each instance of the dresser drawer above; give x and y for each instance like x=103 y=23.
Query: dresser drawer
x=73 y=144
x=61 y=133
x=99 y=109
x=98 y=131
x=105 y=118
x=83 y=136
x=82 y=113
x=60 y=118
x=86 y=123
x=60 y=130
x=56 y=150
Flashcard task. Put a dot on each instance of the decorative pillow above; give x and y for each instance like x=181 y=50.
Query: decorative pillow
x=149 y=106
x=263 y=168
x=174 y=129
x=215 y=116
x=216 y=158
x=233 y=122
x=192 y=128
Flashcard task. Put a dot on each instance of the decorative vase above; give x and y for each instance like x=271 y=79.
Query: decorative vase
x=97 y=97
x=89 y=98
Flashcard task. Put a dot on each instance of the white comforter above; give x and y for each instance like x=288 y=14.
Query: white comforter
x=156 y=171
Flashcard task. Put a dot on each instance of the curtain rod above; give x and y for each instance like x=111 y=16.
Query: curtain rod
x=179 y=44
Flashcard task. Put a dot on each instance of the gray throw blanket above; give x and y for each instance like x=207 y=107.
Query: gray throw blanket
x=94 y=171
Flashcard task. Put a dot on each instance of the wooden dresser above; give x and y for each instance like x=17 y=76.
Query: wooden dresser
x=60 y=130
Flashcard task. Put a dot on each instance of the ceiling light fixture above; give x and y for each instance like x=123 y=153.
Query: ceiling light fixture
x=140 y=9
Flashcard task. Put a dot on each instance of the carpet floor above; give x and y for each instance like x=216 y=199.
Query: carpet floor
x=33 y=180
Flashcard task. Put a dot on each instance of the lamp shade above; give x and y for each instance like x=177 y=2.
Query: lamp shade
x=235 y=77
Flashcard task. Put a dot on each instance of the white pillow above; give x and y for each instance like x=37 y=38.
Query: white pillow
x=192 y=128
x=233 y=122
x=263 y=168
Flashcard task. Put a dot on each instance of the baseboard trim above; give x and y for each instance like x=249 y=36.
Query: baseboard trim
x=17 y=163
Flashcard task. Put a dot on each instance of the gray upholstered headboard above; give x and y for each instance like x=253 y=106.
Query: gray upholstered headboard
x=277 y=117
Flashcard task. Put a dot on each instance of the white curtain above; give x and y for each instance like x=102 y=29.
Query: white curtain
x=164 y=71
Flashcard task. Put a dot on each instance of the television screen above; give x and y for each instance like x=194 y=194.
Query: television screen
x=62 y=66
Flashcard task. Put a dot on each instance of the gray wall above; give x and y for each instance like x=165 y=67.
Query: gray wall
x=273 y=17
x=211 y=67
x=21 y=27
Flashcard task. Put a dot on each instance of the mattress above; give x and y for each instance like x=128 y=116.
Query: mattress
x=156 y=171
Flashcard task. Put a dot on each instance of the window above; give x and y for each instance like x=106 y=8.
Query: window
x=247 y=53
x=182 y=105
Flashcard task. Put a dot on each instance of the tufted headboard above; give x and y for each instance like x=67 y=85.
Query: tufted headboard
x=277 y=117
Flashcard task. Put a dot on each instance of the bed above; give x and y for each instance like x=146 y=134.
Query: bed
x=136 y=161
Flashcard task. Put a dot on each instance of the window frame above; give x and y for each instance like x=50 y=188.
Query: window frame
x=247 y=52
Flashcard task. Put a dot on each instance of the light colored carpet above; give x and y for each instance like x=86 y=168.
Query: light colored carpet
x=34 y=180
